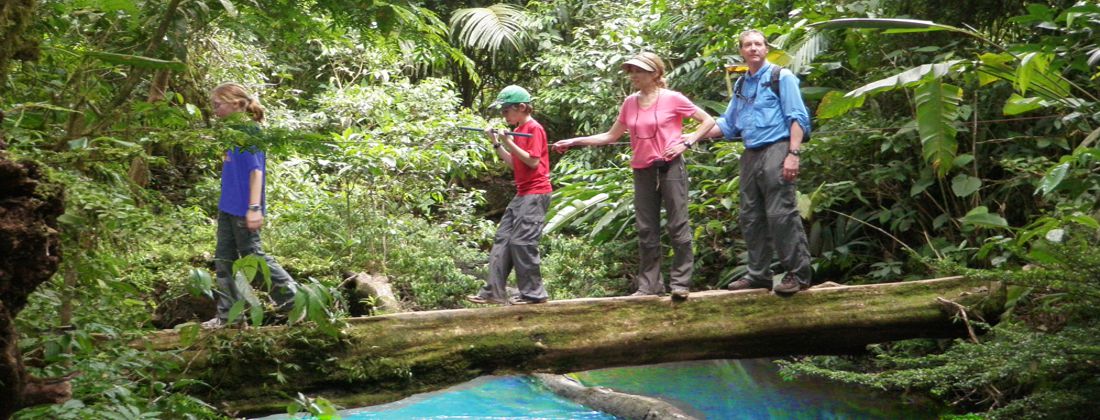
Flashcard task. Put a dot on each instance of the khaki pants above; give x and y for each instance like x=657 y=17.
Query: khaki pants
x=653 y=186
x=769 y=216
x=516 y=245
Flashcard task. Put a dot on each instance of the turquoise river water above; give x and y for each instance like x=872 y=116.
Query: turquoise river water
x=714 y=389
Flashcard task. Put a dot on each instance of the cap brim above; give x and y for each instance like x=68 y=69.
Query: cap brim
x=639 y=64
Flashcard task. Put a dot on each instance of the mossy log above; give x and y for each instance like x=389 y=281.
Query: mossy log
x=384 y=358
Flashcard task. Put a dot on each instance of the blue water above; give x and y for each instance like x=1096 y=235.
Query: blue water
x=714 y=389
x=489 y=397
x=751 y=389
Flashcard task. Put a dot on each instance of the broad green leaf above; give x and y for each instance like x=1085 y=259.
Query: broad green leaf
x=981 y=217
x=1052 y=179
x=1017 y=105
x=128 y=6
x=910 y=25
x=200 y=283
x=937 y=110
x=963 y=159
x=488 y=28
x=138 y=61
x=921 y=185
x=1087 y=221
x=909 y=78
x=836 y=103
x=965 y=185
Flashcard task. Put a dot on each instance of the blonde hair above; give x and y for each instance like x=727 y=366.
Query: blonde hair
x=745 y=34
x=658 y=66
x=236 y=94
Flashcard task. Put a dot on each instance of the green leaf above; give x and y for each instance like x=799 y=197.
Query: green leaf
x=200 y=284
x=229 y=8
x=937 y=110
x=235 y=311
x=908 y=25
x=835 y=104
x=189 y=332
x=138 y=61
x=909 y=78
x=981 y=217
x=964 y=185
x=488 y=28
x=1017 y=105
x=1052 y=179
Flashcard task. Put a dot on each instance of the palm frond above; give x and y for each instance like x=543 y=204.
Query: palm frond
x=489 y=28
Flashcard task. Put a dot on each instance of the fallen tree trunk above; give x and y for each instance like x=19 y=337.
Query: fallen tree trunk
x=383 y=358
x=618 y=404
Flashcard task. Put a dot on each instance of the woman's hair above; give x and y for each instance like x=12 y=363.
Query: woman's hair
x=658 y=65
x=237 y=94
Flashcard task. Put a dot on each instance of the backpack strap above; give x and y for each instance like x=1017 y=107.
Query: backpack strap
x=776 y=71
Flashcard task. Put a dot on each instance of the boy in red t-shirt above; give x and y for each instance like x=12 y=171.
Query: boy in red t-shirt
x=517 y=240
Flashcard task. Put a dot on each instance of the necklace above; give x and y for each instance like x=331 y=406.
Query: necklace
x=636 y=114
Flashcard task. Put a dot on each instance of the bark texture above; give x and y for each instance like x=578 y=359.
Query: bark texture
x=29 y=255
x=384 y=358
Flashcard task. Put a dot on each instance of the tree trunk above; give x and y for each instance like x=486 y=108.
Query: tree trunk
x=29 y=255
x=387 y=357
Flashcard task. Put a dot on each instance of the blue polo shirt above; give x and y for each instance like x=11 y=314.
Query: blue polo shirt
x=761 y=117
x=237 y=166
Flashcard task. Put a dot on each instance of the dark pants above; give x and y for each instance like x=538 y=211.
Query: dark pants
x=666 y=184
x=236 y=241
x=769 y=216
x=516 y=245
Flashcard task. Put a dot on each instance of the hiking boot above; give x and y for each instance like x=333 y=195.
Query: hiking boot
x=790 y=285
x=681 y=294
x=482 y=300
x=523 y=300
x=213 y=324
x=744 y=283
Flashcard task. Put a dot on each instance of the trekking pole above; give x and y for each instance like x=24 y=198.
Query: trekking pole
x=482 y=130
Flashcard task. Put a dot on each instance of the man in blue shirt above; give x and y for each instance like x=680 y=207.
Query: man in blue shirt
x=773 y=127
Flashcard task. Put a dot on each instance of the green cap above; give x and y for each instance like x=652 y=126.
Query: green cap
x=511 y=95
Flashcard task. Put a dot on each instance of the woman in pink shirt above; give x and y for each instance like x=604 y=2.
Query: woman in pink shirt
x=654 y=117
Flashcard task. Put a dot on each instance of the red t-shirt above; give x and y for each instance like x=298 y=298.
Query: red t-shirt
x=532 y=180
x=654 y=129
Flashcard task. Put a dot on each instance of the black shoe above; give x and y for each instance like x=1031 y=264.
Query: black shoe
x=790 y=285
x=745 y=283
x=680 y=294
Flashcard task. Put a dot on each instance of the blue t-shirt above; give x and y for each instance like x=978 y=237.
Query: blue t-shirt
x=239 y=163
x=761 y=117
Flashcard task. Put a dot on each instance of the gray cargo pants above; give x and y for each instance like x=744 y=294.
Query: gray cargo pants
x=517 y=245
x=236 y=241
x=667 y=183
x=769 y=216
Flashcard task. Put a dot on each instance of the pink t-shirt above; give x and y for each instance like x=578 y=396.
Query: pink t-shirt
x=655 y=128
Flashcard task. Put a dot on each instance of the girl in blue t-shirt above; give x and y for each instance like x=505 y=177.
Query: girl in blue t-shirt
x=241 y=210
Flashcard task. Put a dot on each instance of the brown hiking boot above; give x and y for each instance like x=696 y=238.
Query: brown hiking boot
x=744 y=283
x=790 y=285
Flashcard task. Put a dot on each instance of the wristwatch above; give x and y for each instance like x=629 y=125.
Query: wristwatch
x=254 y=207
x=796 y=152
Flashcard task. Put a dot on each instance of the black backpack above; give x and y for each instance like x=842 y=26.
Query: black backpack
x=773 y=84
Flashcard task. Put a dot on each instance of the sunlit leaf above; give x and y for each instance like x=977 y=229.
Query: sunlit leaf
x=1052 y=179
x=981 y=217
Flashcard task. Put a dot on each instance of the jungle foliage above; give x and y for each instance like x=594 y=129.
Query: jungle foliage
x=948 y=137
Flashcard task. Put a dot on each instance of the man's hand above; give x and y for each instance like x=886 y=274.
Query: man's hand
x=254 y=220
x=790 y=167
